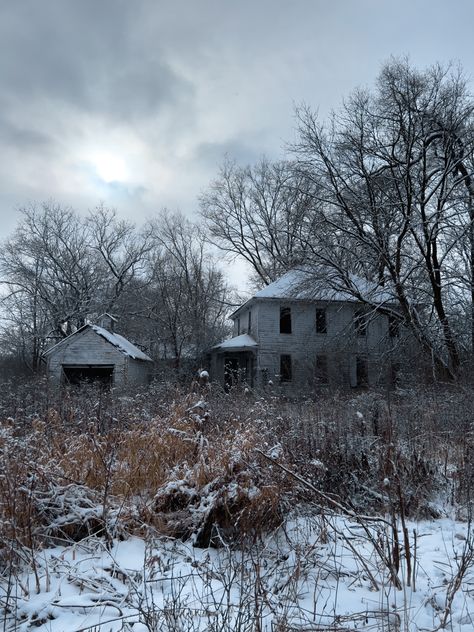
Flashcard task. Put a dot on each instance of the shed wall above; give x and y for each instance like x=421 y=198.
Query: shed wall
x=85 y=348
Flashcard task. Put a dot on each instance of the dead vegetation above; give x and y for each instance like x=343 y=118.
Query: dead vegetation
x=193 y=466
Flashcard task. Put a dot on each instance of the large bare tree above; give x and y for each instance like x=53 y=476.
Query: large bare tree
x=261 y=214
x=394 y=170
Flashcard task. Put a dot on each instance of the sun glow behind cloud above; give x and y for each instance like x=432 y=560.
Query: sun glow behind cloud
x=109 y=167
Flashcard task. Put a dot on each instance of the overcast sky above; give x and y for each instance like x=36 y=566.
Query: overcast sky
x=135 y=103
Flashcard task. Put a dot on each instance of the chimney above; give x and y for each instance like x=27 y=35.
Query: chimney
x=107 y=321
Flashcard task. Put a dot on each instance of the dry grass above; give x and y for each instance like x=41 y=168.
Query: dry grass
x=84 y=461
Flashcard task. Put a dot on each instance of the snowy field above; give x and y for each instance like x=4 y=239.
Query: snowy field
x=320 y=572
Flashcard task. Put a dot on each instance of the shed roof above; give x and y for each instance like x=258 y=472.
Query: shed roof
x=122 y=344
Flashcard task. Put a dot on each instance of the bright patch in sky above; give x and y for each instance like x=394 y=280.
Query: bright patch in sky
x=109 y=167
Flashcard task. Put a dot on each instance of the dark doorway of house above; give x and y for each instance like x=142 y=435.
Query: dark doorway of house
x=231 y=372
x=89 y=374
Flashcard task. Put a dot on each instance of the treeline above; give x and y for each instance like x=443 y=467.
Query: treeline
x=381 y=192
x=61 y=270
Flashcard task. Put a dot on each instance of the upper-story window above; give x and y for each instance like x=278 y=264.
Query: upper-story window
x=393 y=326
x=321 y=325
x=285 y=320
x=249 y=322
x=360 y=322
x=238 y=326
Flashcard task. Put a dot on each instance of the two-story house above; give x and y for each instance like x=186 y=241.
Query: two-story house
x=301 y=338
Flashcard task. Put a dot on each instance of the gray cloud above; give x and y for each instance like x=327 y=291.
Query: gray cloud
x=173 y=87
x=85 y=54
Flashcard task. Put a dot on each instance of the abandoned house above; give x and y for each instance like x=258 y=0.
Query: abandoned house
x=301 y=338
x=95 y=353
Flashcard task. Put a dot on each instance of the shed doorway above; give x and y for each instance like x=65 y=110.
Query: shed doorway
x=89 y=374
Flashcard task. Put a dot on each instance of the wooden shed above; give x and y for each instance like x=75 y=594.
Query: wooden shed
x=94 y=353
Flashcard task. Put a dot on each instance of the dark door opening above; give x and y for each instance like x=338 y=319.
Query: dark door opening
x=89 y=374
x=231 y=372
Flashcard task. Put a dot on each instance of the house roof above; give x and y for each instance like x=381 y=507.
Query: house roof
x=303 y=284
x=238 y=343
x=122 y=344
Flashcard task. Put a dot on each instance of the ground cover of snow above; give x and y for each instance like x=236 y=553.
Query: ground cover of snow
x=316 y=572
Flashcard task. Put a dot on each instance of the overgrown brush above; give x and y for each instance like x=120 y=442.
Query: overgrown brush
x=86 y=461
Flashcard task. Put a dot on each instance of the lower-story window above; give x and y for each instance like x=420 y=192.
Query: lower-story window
x=285 y=368
x=362 y=370
x=321 y=369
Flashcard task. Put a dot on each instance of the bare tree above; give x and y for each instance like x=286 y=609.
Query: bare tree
x=58 y=270
x=186 y=297
x=394 y=179
x=121 y=251
x=261 y=214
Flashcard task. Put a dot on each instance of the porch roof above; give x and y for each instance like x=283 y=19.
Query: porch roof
x=244 y=342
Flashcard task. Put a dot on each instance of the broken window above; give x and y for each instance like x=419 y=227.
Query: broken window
x=360 y=322
x=321 y=327
x=285 y=320
x=285 y=368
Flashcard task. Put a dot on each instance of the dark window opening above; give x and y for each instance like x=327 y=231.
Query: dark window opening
x=90 y=374
x=395 y=369
x=362 y=371
x=393 y=326
x=360 y=322
x=249 y=327
x=321 y=369
x=238 y=326
x=285 y=368
x=285 y=320
x=321 y=326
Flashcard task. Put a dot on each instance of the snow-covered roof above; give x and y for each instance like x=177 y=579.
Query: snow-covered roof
x=304 y=285
x=122 y=344
x=244 y=341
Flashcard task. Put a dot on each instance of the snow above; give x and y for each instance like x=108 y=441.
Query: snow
x=124 y=345
x=302 y=284
x=318 y=572
x=121 y=343
x=244 y=341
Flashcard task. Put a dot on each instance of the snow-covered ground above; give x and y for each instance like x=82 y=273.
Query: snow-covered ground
x=315 y=573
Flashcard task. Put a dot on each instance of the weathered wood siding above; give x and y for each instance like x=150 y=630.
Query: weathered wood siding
x=340 y=344
x=89 y=348
x=241 y=323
